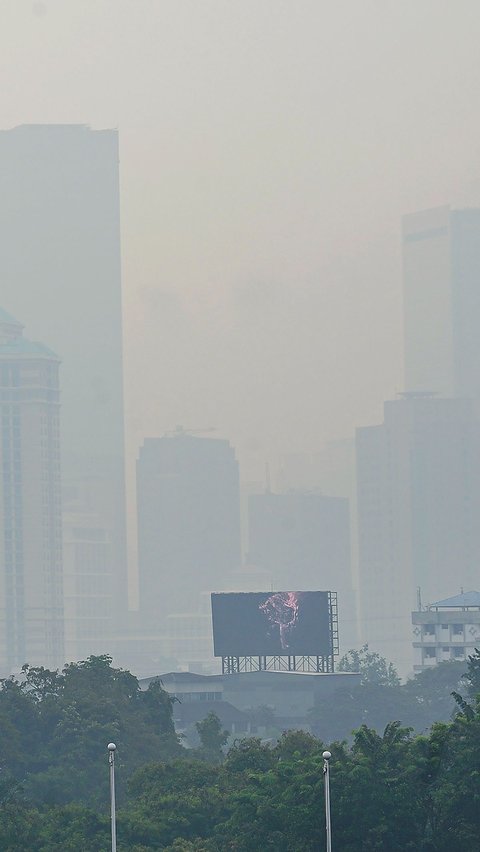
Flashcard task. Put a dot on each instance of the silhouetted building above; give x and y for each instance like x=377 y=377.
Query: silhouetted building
x=441 y=267
x=60 y=271
x=31 y=609
x=284 y=699
x=418 y=478
x=188 y=522
x=303 y=540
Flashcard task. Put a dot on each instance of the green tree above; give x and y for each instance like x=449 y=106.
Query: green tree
x=372 y=666
x=212 y=738
x=51 y=722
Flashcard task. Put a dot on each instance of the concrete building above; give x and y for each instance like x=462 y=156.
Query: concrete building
x=31 y=609
x=60 y=272
x=418 y=478
x=288 y=695
x=188 y=502
x=302 y=539
x=446 y=630
x=441 y=267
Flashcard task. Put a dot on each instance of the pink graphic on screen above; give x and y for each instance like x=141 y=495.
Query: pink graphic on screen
x=281 y=609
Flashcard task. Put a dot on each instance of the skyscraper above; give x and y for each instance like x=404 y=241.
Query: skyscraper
x=31 y=627
x=60 y=271
x=188 y=500
x=418 y=479
x=441 y=268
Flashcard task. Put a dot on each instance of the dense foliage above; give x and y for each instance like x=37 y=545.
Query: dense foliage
x=380 y=697
x=393 y=790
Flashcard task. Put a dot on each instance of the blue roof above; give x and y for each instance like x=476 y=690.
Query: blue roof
x=21 y=346
x=462 y=600
x=6 y=317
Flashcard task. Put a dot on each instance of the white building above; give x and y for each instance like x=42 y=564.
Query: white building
x=447 y=630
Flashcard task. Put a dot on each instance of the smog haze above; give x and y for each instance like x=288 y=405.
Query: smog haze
x=267 y=152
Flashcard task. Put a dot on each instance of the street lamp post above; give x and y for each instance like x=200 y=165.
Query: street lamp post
x=326 y=774
x=111 y=759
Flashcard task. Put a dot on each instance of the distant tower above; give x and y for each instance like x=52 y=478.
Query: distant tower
x=30 y=502
x=60 y=270
x=188 y=521
x=418 y=476
x=441 y=274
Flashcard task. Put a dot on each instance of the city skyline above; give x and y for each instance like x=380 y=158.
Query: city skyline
x=261 y=248
x=261 y=190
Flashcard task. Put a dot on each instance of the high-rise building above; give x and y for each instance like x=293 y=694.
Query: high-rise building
x=31 y=608
x=418 y=478
x=188 y=501
x=441 y=269
x=303 y=540
x=60 y=271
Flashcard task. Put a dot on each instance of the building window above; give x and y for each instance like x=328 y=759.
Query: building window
x=429 y=630
x=457 y=629
x=429 y=653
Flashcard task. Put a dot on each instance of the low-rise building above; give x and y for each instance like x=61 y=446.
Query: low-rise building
x=288 y=696
x=446 y=630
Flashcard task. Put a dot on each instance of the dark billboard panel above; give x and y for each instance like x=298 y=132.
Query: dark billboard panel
x=267 y=623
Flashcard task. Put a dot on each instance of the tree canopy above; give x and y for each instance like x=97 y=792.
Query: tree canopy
x=391 y=788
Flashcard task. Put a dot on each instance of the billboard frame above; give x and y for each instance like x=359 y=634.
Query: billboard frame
x=289 y=663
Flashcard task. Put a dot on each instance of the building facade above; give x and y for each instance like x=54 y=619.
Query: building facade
x=441 y=270
x=418 y=479
x=32 y=626
x=60 y=271
x=188 y=502
x=447 y=630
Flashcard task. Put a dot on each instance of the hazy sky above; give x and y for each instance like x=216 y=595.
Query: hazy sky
x=268 y=151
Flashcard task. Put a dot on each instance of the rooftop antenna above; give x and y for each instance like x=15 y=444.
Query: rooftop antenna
x=419 y=599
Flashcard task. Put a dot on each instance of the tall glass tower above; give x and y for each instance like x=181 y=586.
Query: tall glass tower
x=60 y=271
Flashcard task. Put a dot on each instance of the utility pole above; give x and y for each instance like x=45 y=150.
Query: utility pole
x=326 y=775
x=111 y=759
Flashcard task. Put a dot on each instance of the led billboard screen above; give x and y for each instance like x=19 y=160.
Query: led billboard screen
x=267 y=623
